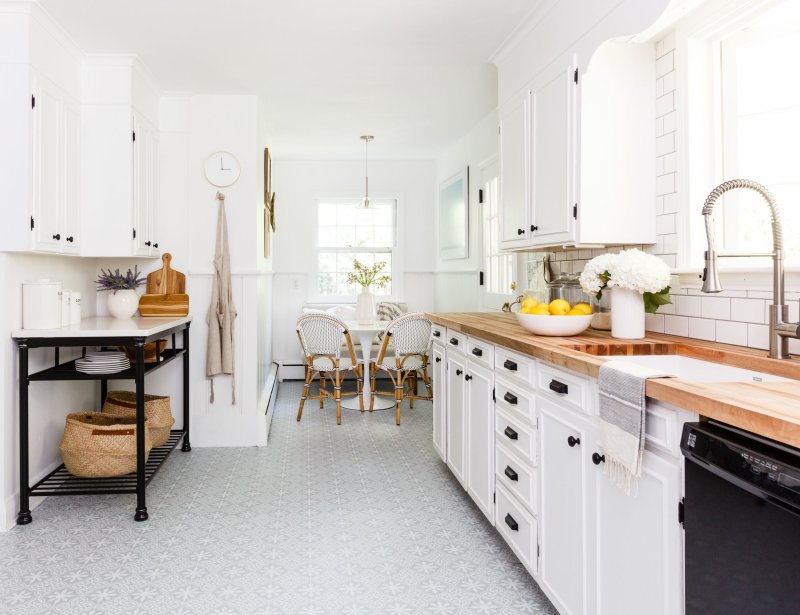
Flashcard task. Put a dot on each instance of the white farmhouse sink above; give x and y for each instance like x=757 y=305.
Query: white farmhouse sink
x=696 y=370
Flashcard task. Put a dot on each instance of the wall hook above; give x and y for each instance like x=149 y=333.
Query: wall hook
x=220 y=197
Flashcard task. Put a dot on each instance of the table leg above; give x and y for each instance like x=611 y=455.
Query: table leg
x=186 y=445
x=141 y=507
x=24 y=515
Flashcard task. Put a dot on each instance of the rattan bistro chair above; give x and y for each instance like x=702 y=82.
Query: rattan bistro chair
x=408 y=339
x=322 y=338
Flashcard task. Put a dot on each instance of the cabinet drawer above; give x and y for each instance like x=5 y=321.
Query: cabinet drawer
x=456 y=341
x=516 y=476
x=516 y=436
x=517 y=527
x=564 y=386
x=661 y=429
x=518 y=401
x=439 y=333
x=515 y=366
x=480 y=352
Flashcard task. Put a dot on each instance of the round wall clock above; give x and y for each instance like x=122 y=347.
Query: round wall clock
x=222 y=169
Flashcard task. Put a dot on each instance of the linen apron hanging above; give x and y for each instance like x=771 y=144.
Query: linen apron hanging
x=221 y=312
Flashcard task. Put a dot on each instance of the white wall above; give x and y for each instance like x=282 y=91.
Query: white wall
x=50 y=402
x=298 y=184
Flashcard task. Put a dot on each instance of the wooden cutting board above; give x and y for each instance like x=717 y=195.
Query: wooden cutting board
x=166 y=292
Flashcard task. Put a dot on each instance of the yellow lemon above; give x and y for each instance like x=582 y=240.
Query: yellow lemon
x=559 y=307
x=528 y=304
x=541 y=310
x=525 y=310
x=576 y=312
x=583 y=307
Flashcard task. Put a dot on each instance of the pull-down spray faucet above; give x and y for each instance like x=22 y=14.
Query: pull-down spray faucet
x=779 y=329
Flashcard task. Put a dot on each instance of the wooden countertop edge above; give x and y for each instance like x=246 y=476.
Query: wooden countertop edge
x=775 y=415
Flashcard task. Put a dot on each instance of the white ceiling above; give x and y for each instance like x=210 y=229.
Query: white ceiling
x=414 y=72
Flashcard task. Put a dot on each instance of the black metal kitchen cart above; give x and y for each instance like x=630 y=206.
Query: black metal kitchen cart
x=99 y=332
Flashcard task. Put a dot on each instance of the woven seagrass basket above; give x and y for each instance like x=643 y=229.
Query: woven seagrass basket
x=157 y=412
x=98 y=445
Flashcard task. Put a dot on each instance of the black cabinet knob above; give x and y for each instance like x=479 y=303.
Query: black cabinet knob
x=510 y=433
x=438 y=359
x=511 y=399
x=511 y=474
x=148 y=243
x=155 y=245
x=572 y=441
x=454 y=341
x=559 y=387
x=597 y=458
x=477 y=352
x=57 y=236
x=459 y=372
x=510 y=522
x=510 y=365
x=520 y=231
x=467 y=377
x=70 y=239
x=534 y=228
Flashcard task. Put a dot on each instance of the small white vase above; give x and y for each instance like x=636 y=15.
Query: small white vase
x=627 y=314
x=123 y=303
x=366 y=307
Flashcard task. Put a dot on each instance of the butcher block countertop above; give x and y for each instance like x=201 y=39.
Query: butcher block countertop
x=771 y=409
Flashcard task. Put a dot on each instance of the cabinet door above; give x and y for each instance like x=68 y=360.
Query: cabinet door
x=46 y=160
x=480 y=437
x=564 y=440
x=151 y=205
x=144 y=187
x=552 y=176
x=639 y=544
x=439 y=397
x=456 y=416
x=513 y=175
x=71 y=153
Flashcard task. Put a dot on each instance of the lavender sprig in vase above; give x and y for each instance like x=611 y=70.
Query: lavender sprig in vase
x=122 y=300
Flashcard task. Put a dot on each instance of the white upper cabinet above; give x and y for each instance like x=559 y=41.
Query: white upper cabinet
x=145 y=187
x=586 y=144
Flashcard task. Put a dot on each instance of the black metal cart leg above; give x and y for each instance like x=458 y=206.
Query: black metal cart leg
x=141 y=507
x=103 y=392
x=24 y=515
x=186 y=445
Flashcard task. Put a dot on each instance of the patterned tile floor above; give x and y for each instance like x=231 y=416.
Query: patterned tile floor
x=362 y=518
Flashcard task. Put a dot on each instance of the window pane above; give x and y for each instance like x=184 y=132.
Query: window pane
x=327 y=237
x=326 y=213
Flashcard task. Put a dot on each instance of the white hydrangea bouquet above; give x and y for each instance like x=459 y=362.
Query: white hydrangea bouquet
x=631 y=269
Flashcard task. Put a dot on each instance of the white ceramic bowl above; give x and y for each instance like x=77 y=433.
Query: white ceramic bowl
x=554 y=325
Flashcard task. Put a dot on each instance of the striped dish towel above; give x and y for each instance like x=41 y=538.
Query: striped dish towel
x=622 y=416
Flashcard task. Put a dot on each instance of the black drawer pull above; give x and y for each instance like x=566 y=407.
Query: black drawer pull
x=572 y=441
x=454 y=341
x=510 y=365
x=511 y=523
x=559 y=387
x=597 y=458
x=511 y=399
x=438 y=359
x=459 y=372
x=511 y=434
x=477 y=352
x=511 y=474
x=437 y=334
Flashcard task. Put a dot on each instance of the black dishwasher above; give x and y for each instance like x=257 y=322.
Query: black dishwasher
x=741 y=522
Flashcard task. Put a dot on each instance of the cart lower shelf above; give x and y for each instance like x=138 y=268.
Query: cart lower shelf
x=61 y=482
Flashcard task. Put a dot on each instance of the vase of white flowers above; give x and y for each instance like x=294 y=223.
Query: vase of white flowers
x=366 y=277
x=638 y=282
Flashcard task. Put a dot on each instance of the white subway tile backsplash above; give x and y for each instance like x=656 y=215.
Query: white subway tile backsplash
x=688 y=305
x=670 y=122
x=654 y=322
x=670 y=243
x=670 y=259
x=669 y=41
x=665 y=64
x=702 y=329
x=659 y=49
x=670 y=203
x=665 y=104
x=668 y=82
x=758 y=336
x=716 y=307
x=665 y=184
x=669 y=163
x=748 y=310
x=665 y=224
x=665 y=144
x=676 y=325
x=729 y=332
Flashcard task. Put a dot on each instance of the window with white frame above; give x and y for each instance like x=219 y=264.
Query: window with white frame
x=759 y=130
x=347 y=232
x=499 y=265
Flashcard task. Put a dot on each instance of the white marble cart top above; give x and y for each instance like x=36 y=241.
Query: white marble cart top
x=102 y=326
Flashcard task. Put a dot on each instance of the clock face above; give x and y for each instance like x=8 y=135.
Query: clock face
x=222 y=169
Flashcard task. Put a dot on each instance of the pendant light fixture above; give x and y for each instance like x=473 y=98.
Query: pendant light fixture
x=365 y=202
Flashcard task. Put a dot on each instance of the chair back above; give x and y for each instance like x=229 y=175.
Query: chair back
x=323 y=335
x=410 y=335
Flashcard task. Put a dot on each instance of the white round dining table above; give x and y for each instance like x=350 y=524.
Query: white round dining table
x=365 y=333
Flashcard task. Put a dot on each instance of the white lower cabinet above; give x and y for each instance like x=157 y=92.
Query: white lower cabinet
x=639 y=552
x=455 y=401
x=439 y=401
x=564 y=462
x=518 y=527
x=480 y=437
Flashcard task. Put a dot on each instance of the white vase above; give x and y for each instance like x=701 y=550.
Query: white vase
x=627 y=314
x=366 y=307
x=123 y=303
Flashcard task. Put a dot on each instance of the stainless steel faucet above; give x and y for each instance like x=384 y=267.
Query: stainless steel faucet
x=779 y=329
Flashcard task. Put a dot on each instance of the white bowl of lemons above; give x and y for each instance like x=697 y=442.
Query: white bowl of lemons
x=557 y=318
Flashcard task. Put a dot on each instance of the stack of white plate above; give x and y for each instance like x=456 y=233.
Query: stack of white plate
x=103 y=362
